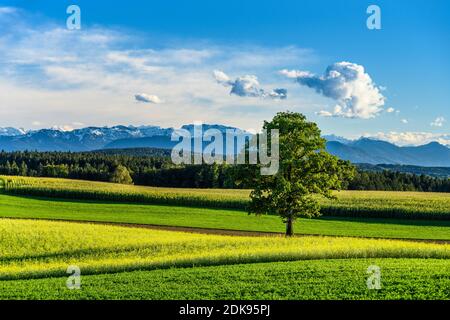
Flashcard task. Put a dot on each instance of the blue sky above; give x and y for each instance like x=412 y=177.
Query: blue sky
x=168 y=50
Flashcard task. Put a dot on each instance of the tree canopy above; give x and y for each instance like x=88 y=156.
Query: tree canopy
x=306 y=172
x=121 y=175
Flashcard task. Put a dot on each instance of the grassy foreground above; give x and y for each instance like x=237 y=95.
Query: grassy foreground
x=311 y=279
x=381 y=204
x=131 y=263
x=24 y=207
x=40 y=249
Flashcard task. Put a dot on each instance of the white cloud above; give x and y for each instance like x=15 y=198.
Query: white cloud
x=324 y=113
x=91 y=76
x=295 y=74
x=348 y=84
x=404 y=121
x=147 y=98
x=438 y=122
x=247 y=86
x=390 y=110
x=411 y=138
x=222 y=78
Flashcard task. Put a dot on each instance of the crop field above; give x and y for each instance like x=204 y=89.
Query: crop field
x=93 y=190
x=122 y=254
x=370 y=204
x=43 y=248
x=123 y=262
x=299 y=280
x=12 y=206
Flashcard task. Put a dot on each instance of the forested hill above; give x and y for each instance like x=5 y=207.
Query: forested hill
x=153 y=167
x=135 y=152
x=438 y=172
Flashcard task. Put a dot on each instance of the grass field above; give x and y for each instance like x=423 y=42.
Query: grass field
x=122 y=262
x=119 y=262
x=23 y=207
x=381 y=204
x=299 y=280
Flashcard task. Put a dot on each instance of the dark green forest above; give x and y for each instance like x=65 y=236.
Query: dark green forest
x=153 y=167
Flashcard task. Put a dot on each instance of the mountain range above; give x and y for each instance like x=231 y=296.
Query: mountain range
x=85 y=139
x=363 y=150
x=371 y=151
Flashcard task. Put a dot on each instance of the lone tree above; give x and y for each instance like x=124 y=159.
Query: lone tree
x=121 y=175
x=306 y=172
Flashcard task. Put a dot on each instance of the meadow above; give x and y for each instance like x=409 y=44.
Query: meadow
x=44 y=248
x=370 y=204
x=128 y=263
x=13 y=206
x=297 y=280
x=123 y=255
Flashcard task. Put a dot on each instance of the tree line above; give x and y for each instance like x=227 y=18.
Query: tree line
x=155 y=168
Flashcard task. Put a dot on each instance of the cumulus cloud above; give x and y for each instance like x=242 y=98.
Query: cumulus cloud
x=147 y=98
x=248 y=86
x=411 y=138
x=356 y=94
x=405 y=121
x=221 y=77
x=438 y=122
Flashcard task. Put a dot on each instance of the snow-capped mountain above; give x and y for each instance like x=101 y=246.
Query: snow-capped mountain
x=92 y=138
x=165 y=141
x=84 y=139
x=11 y=132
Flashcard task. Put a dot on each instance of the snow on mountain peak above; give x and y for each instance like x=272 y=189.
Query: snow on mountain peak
x=11 y=132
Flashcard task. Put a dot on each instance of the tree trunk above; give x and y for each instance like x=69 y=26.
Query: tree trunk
x=289 y=227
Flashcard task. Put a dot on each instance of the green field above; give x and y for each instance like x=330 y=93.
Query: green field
x=112 y=259
x=46 y=208
x=44 y=248
x=380 y=204
x=310 y=279
x=130 y=262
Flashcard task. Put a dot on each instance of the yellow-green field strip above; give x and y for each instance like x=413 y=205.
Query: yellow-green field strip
x=38 y=249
